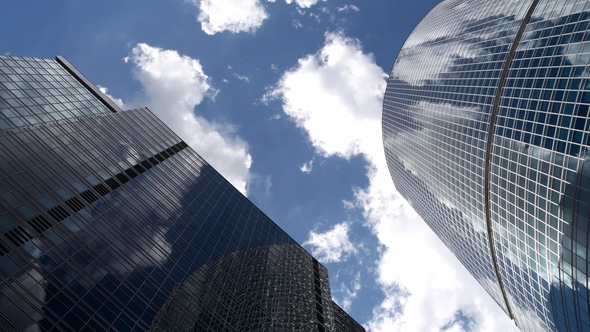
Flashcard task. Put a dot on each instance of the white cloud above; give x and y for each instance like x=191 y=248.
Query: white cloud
x=304 y=3
x=416 y=262
x=230 y=15
x=340 y=83
x=238 y=76
x=351 y=292
x=242 y=78
x=240 y=15
x=347 y=8
x=331 y=246
x=307 y=167
x=117 y=101
x=173 y=86
x=335 y=97
x=267 y=185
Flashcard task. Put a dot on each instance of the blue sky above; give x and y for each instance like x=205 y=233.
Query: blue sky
x=283 y=98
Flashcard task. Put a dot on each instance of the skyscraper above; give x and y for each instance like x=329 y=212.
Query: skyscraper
x=486 y=134
x=108 y=220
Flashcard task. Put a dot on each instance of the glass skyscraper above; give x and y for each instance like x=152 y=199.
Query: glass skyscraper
x=109 y=221
x=486 y=134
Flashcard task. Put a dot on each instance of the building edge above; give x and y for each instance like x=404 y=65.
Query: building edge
x=87 y=84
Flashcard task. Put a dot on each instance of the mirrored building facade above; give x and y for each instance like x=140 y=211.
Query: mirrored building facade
x=486 y=134
x=109 y=221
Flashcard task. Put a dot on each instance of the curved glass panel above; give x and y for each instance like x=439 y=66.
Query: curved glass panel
x=440 y=101
x=539 y=179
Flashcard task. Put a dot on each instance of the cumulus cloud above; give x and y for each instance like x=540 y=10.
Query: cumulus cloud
x=331 y=246
x=240 y=15
x=335 y=97
x=417 y=272
x=173 y=86
x=117 y=101
x=339 y=82
x=230 y=15
x=304 y=3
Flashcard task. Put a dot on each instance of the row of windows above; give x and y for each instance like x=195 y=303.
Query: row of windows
x=32 y=96
x=443 y=72
x=116 y=262
x=94 y=231
x=63 y=165
x=557 y=127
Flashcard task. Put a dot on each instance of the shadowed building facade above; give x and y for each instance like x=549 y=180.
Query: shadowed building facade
x=108 y=220
x=486 y=134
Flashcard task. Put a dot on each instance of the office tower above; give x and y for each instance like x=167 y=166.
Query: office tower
x=109 y=220
x=486 y=134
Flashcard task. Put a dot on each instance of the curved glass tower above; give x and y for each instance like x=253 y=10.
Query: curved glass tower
x=486 y=134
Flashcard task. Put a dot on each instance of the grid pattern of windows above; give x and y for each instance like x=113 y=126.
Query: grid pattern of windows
x=19 y=235
x=107 y=220
x=205 y=301
x=440 y=100
x=539 y=185
x=35 y=91
x=343 y=322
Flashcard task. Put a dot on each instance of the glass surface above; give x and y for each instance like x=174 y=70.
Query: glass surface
x=440 y=100
x=34 y=91
x=110 y=221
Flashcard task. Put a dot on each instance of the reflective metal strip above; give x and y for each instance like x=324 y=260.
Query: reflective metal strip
x=491 y=128
x=87 y=84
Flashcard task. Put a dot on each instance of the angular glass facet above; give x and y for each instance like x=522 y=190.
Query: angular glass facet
x=108 y=220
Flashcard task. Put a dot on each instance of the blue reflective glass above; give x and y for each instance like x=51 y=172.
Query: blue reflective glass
x=535 y=145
